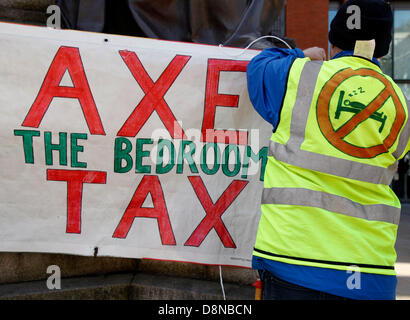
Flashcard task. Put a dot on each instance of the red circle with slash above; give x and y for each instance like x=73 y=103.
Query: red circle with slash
x=336 y=137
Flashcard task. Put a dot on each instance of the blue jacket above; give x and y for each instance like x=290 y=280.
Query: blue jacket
x=267 y=75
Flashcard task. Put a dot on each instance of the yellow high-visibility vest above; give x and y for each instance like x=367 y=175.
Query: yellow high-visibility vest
x=327 y=201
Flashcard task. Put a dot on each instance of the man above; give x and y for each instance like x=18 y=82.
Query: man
x=329 y=218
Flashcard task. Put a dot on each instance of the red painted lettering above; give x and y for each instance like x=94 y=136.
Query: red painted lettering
x=214 y=212
x=214 y=99
x=75 y=180
x=154 y=96
x=67 y=58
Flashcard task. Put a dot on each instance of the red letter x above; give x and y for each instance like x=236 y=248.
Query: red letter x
x=154 y=96
x=214 y=212
x=75 y=180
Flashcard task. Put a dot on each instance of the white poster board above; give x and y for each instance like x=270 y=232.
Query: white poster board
x=127 y=146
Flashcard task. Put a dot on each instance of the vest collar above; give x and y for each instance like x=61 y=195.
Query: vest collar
x=347 y=53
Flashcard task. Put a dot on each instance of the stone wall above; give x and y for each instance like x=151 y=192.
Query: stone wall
x=18 y=267
x=24 y=276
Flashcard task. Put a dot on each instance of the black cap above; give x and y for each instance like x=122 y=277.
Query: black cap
x=376 y=23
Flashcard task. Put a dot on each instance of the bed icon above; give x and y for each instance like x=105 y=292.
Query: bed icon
x=356 y=107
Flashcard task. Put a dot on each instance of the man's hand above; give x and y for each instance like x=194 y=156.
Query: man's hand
x=315 y=53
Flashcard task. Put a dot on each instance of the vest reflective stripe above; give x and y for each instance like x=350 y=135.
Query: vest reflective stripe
x=326 y=262
x=330 y=202
x=306 y=89
x=292 y=154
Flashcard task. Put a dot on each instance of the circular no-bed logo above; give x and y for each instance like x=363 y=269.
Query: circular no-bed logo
x=352 y=117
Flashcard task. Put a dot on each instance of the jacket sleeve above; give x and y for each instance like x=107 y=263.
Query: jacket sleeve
x=267 y=75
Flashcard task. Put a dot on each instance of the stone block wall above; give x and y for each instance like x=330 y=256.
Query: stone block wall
x=32 y=12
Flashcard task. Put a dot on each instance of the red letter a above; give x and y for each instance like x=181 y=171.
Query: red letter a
x=69 y=59
x=148 y=184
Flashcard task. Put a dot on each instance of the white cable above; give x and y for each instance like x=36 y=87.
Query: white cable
x=256 y=40
x=221 y=281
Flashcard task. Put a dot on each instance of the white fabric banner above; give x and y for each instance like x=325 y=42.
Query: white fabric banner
x=127 y=147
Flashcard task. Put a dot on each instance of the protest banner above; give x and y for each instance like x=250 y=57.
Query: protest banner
x=127 y=147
